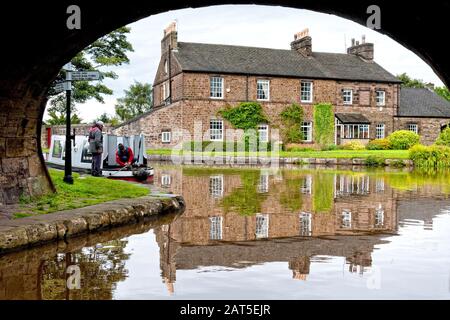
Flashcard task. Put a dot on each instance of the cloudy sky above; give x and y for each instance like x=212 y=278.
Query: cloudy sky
x=260 y=26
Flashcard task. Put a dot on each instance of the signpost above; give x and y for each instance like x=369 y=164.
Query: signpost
x=67 y=86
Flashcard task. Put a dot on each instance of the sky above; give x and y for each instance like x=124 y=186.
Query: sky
x=249 y=25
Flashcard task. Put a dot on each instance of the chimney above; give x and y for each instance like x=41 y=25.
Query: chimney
x=170 y=39
x=302 y=43
x=363 y=50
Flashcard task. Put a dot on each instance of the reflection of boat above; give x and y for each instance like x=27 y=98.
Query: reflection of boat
x=82 y=158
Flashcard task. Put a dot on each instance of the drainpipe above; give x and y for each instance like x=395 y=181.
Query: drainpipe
x=246 y=88
x=170 y=75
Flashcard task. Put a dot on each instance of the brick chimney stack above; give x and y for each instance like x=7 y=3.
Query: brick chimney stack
x=363 y=50
x=170 y=39
x=302 y=43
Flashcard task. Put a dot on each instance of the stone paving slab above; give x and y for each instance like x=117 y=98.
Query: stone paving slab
x=25 y=232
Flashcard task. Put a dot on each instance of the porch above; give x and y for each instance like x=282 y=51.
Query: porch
x=351 y=127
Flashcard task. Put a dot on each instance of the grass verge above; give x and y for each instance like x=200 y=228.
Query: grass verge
x=338 y=154
x=85 y=191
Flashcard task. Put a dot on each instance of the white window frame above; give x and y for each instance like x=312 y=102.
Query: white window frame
x=165 y=180
x=311 y=91
x=166 y=136
x=346 y=219
x=379 y=217
x=262 y=226
x=353 y=131
x=380 y=96
x=263 y=128
x=216 y=87
x=215 y=131
x=264 y=90
x=305 y=224
x=414 y=127
x=216 y=186
x=380 y=132
x=166 y=90
x=215 y=228
x=308 y=125
x=306 y=185
x=345 y=93
x=263 y=185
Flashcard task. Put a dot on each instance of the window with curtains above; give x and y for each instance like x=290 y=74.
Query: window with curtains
x=263 y=90
x=216 y=87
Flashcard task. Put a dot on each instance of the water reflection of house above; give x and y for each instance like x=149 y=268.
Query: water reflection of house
x=208 y=235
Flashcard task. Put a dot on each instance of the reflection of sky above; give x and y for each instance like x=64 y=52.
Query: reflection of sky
x=414 y=264
x=260 y=26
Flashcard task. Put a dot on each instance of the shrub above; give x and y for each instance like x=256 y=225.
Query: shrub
x=223 y=146
x=378 y=144
x=403 y=139
x=373 y=161
x=331 y=147
x=444 y=137
x=354 y=145
x=430 y=156
x=298 y=149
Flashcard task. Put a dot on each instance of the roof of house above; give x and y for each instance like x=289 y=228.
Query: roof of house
x=347 y=118
x=215 y=58
x=418 y=102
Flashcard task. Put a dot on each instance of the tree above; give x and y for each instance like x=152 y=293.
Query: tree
x=137 y=100
x=107 y=51
x=412 y=83
x=443 y=92
x=417 y=83
x=106 y=118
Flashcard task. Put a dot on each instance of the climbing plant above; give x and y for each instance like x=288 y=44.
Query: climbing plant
x=324 y=124
x=292 y=119
x=246 y=115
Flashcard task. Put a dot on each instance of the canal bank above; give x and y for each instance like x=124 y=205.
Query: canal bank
x=31 y=231
x=261 y=160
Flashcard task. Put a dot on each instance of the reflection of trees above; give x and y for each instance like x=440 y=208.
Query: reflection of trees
x=102 y=267
x=245 y=200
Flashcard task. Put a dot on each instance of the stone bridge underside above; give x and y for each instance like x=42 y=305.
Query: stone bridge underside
x=36 y=44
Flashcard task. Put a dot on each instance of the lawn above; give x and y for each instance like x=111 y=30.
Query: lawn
x=85 y=191
x=341 y=154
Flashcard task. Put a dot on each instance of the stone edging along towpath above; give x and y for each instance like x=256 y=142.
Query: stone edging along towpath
x=26 y=232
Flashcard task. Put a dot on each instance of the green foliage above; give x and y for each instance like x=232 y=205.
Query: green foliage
x=378 y=144
x=84 y=192
x=353 y=145
x=444 y=137
x=430 y=156
x=410 y=82
x=331 y=147
x=324 y=124
x=246 y=115
x=218 y=146
x=373 y=161
x=109 y=50
x=323 y=192
x=57 y=116
x=245 y=200
x=292 y=119
x=403 y=139
x=106 y=118
x=137 y=100
x=297 y=148
x=443 y=92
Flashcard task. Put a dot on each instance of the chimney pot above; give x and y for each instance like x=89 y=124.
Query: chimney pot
x=363 y=50
x=302 y=43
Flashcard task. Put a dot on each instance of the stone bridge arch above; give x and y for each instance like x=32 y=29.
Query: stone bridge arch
x=36 y=43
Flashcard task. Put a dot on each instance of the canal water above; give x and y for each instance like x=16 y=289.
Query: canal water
x=260 y=233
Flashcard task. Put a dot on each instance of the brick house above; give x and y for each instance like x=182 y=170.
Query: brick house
x=195 y=80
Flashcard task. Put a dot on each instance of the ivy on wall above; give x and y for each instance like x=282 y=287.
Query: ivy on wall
x=324 y=124
x=292 y=119
x=246 y=115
